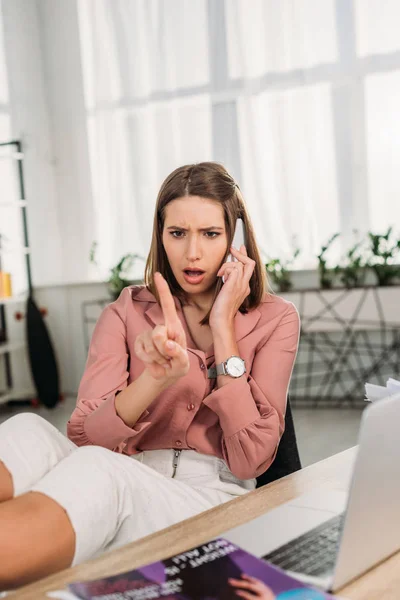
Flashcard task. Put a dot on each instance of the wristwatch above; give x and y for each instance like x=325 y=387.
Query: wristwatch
x=234 y=366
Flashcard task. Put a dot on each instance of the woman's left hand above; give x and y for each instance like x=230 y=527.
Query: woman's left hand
x=235 y=289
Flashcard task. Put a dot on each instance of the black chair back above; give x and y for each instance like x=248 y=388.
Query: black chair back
x=287 y=459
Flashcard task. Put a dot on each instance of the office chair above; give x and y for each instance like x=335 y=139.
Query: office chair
x=287 y=459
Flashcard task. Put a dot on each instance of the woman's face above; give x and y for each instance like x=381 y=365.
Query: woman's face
x=194 y=236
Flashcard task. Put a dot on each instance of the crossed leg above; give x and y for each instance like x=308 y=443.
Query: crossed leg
x=6 y=484
x=37 y=539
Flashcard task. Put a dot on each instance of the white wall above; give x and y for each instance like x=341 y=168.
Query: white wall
x=65 y=325
x=48 y=115
x=31 y=124
x=66 y=107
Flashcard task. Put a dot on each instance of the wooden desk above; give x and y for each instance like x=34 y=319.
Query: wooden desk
x=381 y=583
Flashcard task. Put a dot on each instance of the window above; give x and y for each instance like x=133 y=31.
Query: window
x=297 y=98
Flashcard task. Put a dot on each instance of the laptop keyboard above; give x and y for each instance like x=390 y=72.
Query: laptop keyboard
x=313 y=553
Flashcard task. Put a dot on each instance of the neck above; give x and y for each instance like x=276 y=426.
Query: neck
x=199 y=304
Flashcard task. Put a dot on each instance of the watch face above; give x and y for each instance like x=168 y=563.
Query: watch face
x=235 y=366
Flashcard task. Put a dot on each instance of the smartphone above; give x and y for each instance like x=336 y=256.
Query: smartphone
x=238 y=240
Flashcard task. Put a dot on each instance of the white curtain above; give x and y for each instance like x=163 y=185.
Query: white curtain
x=288 y=168
x=265 y=36
x=145 y=63
x=131 y=153
x=288 y=94
x=383 y=148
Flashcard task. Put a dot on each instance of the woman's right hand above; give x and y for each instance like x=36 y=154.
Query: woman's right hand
x=164 y=364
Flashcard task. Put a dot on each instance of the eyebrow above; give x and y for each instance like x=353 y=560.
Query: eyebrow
x=201 y=228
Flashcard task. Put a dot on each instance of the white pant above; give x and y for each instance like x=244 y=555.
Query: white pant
x=112 y=499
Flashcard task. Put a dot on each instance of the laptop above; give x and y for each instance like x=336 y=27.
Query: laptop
x=329 y=537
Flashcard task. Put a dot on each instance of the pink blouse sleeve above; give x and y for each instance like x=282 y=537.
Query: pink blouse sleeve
x=252 y=411
x=94 y=420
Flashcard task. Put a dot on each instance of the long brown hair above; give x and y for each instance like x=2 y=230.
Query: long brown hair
x=208 y=180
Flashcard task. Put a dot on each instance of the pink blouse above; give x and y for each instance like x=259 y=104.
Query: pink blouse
x=241 y=422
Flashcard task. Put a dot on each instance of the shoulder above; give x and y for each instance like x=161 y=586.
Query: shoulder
x=140 y=293
x=133 y=296
x=276 y=306
x=277 y=317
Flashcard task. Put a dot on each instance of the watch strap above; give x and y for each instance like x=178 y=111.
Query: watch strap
x=213 y=372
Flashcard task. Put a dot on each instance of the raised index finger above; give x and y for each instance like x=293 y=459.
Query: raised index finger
x=166 y=301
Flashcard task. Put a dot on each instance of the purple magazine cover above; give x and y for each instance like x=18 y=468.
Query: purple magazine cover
x=215 y=570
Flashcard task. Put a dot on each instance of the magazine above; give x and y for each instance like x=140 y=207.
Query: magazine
x=215 y=570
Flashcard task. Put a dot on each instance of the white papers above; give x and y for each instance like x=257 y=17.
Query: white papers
x=393 y=385
x=376 y=392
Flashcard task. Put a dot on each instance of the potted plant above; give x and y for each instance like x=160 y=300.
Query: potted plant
x=119 y=274
x=326 y=275
x=279 y=271
x=384 y=257
x=352 y=271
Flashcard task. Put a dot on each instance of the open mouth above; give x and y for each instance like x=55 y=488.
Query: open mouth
x=193 y=273
x=193 y=276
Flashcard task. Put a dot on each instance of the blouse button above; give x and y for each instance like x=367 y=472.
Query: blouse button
x=178 y=443
x=191 y=407
x=202 y=367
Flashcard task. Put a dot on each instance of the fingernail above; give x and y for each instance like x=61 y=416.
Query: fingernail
x=170 y=344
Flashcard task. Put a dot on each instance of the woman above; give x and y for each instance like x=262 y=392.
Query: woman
x=157 y=435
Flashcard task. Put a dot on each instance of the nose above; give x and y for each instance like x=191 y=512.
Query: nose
x=193 y=249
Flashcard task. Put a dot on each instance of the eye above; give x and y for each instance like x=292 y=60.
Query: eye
x=210 y=234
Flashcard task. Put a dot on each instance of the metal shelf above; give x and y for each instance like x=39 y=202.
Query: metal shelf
x=12 y=156
x=15 y=394
x=12 y=150
x=348 y=338
x=6 y=347
x=14 y=299
x=21 y=250
x=16 y=204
